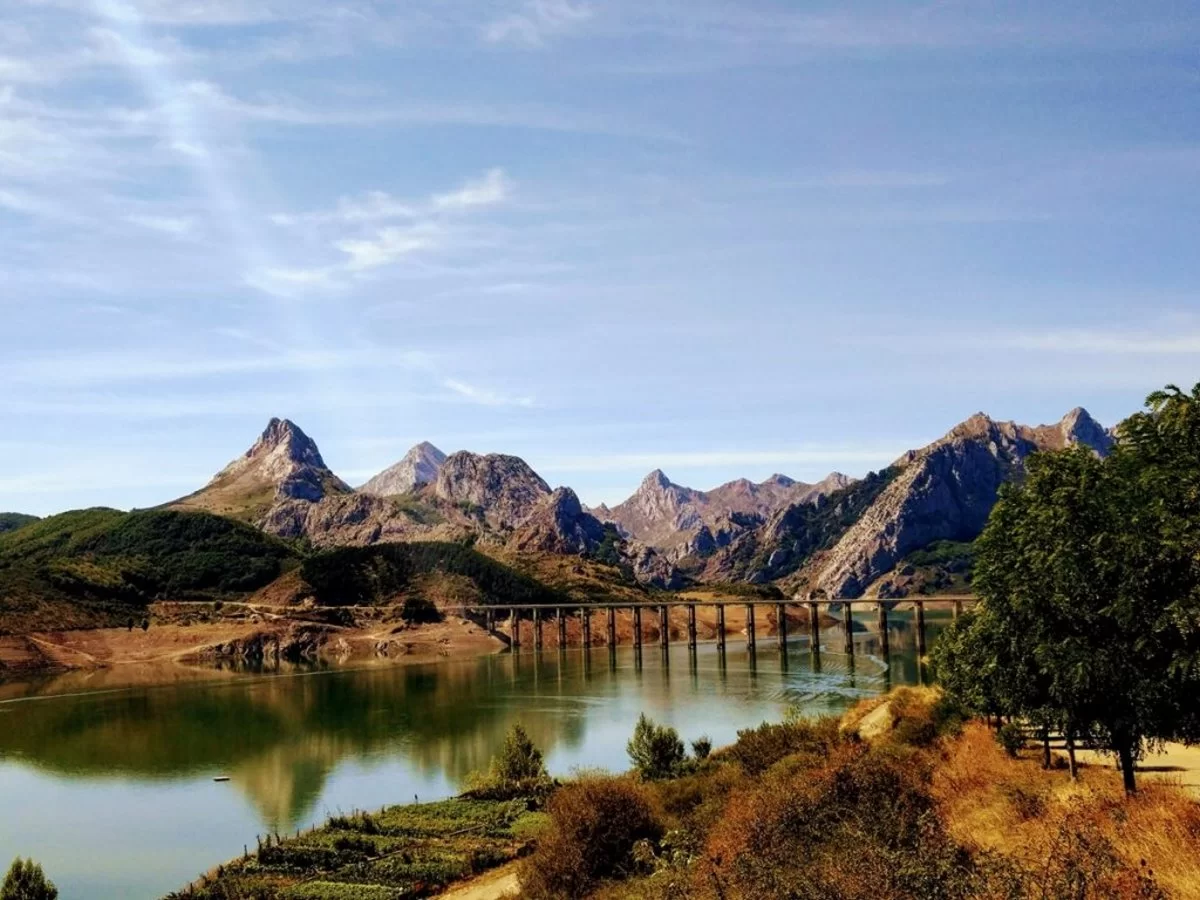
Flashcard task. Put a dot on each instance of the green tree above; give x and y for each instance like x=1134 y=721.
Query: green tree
x=519 y=761
x=1090 y=575
x=655 y=750
x=27 y=881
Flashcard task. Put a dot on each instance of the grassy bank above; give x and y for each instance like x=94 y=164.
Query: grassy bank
x=900 y=799
x=398 y=852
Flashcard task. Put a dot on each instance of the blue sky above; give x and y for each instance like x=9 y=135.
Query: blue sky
x=719 y=238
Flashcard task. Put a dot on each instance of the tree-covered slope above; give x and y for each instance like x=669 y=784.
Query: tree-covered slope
x=380 y=573
x=97 y=566
x=12 y=521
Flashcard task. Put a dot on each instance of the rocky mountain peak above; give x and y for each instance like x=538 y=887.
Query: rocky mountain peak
x=504 y=490
x=283 y=464
x=1078 y=427
x=655 y=481
x=420 y=466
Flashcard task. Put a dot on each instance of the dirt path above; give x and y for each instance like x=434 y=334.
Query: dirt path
x=1176 y=764
x=495 y=885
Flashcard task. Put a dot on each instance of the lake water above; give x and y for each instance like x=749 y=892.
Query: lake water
x=113 y=792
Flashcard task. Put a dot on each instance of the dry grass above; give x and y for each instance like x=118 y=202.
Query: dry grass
x=1016 y=808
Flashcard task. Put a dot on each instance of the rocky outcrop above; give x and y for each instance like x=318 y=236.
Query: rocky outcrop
x=284 y=464
x=680 y=521
x=419 y=467
x=559 y=525
x=499 y=491
x=945 y=492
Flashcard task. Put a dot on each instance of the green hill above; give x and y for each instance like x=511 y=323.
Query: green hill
x=98 y=567
x=378 y=574
x=13 y=521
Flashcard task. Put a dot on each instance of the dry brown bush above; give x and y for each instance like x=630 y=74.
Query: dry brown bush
x=595 y=824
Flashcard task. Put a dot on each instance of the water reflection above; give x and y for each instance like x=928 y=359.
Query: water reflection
x=300 y=744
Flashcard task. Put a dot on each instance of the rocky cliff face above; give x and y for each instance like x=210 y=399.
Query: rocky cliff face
x=419 y=467
x=680 y=521
x=501 y=491
x=945 y=492
x=284 y=464
x=559 y=525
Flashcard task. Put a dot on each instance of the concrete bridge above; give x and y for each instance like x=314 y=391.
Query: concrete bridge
x=501 y=618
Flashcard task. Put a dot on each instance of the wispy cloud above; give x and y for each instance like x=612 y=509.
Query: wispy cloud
x=428 y=226
x=492 y=188
x=537 y=22
x=484 y=396
x=176 y=226
x=389 y=245
x=1103 y=342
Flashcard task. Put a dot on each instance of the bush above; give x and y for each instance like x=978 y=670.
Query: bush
x=655 y=750
x=419 y=610
x=27 y=881
x=788 y=835
x=595 y=824
x=757 y=749
x=701 y=747
x=1011 y=738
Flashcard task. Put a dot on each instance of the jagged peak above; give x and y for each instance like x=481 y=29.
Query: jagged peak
x=781 y=480
x=286 y=434
x=656 y=479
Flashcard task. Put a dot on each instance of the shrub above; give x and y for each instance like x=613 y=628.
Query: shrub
x=595 y=824
x=1011 y=738
x=655 y=750
x=757 y=749
x=27 y=881
x=701 y=747
x=788 y=836
x=419 y=610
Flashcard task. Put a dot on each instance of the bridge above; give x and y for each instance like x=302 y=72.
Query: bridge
x=500 y=617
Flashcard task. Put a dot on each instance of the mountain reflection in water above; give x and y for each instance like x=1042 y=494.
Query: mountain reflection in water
x=299 y=744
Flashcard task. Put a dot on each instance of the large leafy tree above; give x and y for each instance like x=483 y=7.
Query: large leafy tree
x=1090 y=573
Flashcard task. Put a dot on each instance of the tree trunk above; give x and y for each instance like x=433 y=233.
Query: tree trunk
x=1045 y=748
x=1124 y=748
x=1071 y=757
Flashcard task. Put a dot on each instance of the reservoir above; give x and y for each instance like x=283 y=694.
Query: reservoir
x=112 y=788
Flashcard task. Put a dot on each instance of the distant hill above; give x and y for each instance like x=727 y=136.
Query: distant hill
x=100 y=566
x=380 y=574
x=13 y=521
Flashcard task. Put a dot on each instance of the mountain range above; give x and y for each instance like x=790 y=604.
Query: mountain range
x=840 y=535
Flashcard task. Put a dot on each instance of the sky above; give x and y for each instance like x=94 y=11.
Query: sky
x=723 y=239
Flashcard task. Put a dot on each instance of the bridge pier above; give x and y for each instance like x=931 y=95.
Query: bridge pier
x=612 y=626
x=883 y=629
x=781 y=622
x=721 y=628
x=562 y=629
x=814 y=627
x=691 y=610
x=585 y=619
x=664 y=627
x=515 y=616
x=920 y=604
x=958 y=609
x=750 y=642
x=848 y=621
x=489 y=618
x=637 y=627
x=537 y=630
